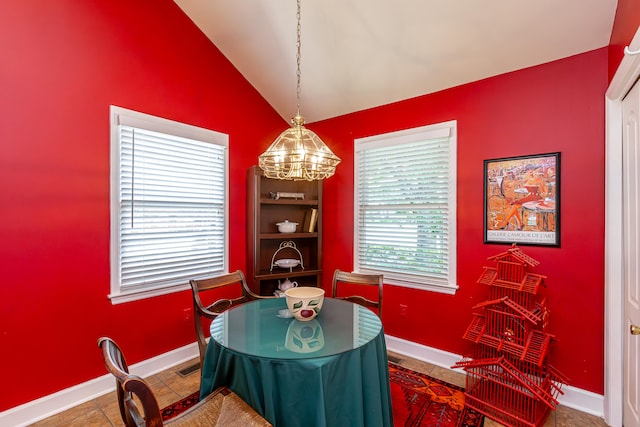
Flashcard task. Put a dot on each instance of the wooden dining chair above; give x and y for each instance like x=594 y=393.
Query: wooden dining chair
x=209 y=300
x=221 y=408
x=350 y=279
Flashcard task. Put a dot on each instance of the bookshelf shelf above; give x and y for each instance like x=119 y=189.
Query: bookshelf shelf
x=289 y=235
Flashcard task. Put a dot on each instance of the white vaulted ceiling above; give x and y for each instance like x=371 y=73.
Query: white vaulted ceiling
x=358 y=54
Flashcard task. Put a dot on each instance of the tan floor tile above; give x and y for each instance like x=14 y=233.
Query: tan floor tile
x=567 y=417
x=452 y=377
x=165 y=396
x=67 y=417
x=93 y=418
x=155 y=381
x=111 y=410
x=488 y=422
x=562 y=417
x=107 y=398
x=414 y=364
x=182 y=385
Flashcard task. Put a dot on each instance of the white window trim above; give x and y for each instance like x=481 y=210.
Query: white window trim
x=123 y=116
x=401 y=137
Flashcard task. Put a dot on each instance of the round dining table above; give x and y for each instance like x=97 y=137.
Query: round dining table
x=330 y=371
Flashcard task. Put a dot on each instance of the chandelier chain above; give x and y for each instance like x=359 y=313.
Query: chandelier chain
x=298 y=153
x=298 y=44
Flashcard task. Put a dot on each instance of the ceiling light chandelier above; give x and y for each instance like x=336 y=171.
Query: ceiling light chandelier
x=298 y=153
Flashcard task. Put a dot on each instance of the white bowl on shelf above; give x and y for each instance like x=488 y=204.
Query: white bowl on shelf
x=287 y=226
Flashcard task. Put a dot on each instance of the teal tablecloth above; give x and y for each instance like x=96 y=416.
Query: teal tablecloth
x=332 y=371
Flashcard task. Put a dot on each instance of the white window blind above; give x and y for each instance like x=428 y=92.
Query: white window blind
x=170 y=205
x=405 y=207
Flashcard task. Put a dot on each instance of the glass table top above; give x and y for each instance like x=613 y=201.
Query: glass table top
x=256 y=329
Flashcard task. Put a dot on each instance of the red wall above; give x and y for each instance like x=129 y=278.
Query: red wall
x=553 y=107
x=625 y=26
x=63 y=63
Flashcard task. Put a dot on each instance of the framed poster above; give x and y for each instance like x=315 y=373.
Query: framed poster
x=522 y=200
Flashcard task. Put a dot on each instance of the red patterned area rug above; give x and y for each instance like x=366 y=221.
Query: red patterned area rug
x=419 y=400
x=180 y=406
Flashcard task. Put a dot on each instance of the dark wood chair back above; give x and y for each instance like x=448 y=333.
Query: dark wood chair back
x=127 y=386
x=221 y=408
x=210 y=310
x=370 y=280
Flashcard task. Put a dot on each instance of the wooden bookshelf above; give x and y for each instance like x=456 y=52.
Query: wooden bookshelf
x=265 y=209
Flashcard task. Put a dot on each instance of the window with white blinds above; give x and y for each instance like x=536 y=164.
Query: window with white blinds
x=405 y=207
x=168 y=204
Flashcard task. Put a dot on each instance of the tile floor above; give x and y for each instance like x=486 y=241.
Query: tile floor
x=170 y=386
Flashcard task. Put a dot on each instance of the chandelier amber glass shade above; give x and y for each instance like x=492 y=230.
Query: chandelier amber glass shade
x=298 y=154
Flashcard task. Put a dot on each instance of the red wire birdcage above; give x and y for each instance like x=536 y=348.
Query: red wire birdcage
x=509 y=392
x=508 y=375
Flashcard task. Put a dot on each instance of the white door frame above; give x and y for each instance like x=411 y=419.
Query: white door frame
x=625 y=77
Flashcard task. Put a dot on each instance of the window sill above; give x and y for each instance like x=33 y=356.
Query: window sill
x=449 y=290
x=139 y=294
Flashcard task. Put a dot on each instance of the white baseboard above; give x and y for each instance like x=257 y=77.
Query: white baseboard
x=575 y=398
x=52 y=404
x=47 y=406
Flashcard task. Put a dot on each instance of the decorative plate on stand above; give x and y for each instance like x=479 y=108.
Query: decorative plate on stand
x=286 y=262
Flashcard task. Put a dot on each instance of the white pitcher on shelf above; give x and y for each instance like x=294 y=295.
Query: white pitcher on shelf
x=287 y=284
